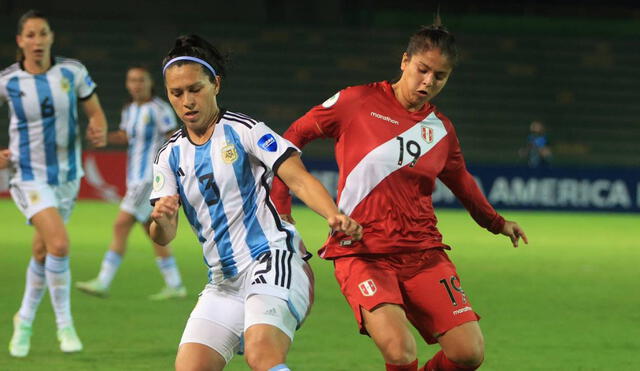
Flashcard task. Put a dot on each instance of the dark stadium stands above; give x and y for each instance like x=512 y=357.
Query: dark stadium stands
x=584 y=87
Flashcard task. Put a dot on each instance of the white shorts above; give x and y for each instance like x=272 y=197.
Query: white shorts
x=136 y=201
x=31 y=197
x=277 y=290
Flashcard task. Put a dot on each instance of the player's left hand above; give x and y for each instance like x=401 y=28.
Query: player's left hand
x=97 y=136
x=514 y=232
x=346 y=225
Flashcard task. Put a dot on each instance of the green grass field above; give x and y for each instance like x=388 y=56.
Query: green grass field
x=568 y=301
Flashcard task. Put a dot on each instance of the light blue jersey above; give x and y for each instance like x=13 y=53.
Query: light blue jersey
x=224 y=189
x=146 y=125
x=44 y=137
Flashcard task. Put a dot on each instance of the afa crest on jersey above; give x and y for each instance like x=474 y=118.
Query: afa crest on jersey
x=229 y=154
x=427 y=133
x=64 y=85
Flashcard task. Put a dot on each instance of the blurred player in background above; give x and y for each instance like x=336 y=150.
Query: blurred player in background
x=219 y=168
x=43 y=93
x=391 y=144
x=146 y=122
x=537 y=151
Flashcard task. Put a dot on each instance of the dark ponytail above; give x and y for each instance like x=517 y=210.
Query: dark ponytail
x=435 y=36
x=195 y=46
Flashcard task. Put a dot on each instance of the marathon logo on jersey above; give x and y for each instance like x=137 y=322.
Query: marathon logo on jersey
x=461 y=310
x=268 y=143
x=385 y=118
x=427 y=133
x=368 y=288
x=229 y=154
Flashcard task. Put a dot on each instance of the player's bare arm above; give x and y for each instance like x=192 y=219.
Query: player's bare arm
x=97 y=128
x=165 y=219
x=117 y=137
x=514 y=232
x=5 y=156
x=307 y=188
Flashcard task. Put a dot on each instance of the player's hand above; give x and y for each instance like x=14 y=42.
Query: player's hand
x=5 y=158
x=346 y=225
x=287 y=218
x=97 y=136
x=514 y=232
x=165 y=209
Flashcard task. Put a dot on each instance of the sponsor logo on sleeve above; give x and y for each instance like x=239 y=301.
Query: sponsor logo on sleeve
x=88 y=81
x=229 y=154
x=268 y=143
x=158 y=182
x=368 y=287
x=331 y=101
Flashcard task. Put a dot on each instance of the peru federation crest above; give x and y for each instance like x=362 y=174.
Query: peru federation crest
x=368 y=287
x=427 y=133
x=229 y=154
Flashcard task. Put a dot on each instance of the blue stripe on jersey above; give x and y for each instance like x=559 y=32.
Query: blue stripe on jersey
x=23 y=128
x=71 y=145
x=132 y=139
x=256 y=239
x=48 y=113
x=148 y=143
x=190 y=212
x=219 y=222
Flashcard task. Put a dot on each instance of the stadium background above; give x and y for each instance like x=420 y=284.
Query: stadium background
x=573 y=64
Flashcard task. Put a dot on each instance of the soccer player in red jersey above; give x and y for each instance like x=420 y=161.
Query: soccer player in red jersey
x=391 y=144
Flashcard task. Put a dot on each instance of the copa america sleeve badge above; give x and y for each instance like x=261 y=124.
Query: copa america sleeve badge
x=158 y=182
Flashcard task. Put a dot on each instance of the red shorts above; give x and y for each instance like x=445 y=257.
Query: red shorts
x=424 y=283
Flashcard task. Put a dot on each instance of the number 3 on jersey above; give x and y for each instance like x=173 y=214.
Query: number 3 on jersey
x=211 y=191
x=413 y=149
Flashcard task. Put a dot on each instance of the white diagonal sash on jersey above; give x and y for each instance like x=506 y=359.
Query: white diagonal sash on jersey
x=377 y=164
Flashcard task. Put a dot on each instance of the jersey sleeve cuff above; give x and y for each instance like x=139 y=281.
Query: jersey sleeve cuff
x=88 y=95
x=497 y=224
x=281 y=159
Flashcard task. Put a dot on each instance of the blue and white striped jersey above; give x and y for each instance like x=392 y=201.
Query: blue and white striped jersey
x=146 y=125
x=224 y=189
x=44 y=137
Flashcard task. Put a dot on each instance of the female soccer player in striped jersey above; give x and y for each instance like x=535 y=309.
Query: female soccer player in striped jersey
x=44 y=140
x=219 y=168
x=146 y=120
x=391 y=144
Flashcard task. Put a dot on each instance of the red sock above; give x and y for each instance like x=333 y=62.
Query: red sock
x=413 y=366
x=440 y=362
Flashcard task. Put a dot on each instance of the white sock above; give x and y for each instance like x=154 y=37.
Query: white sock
x=56 y=269
x=109 y=268
x=34 y=289
x=170 y=271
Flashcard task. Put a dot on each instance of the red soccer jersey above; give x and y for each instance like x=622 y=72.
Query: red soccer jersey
x=388 y=160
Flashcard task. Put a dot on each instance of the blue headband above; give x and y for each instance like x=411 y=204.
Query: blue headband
x=187 y=58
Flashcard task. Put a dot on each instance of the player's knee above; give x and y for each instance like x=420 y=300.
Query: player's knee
x=58 y=246
x=121 y=226
x=261 y=356
x=398 y=351
x=471 y=355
